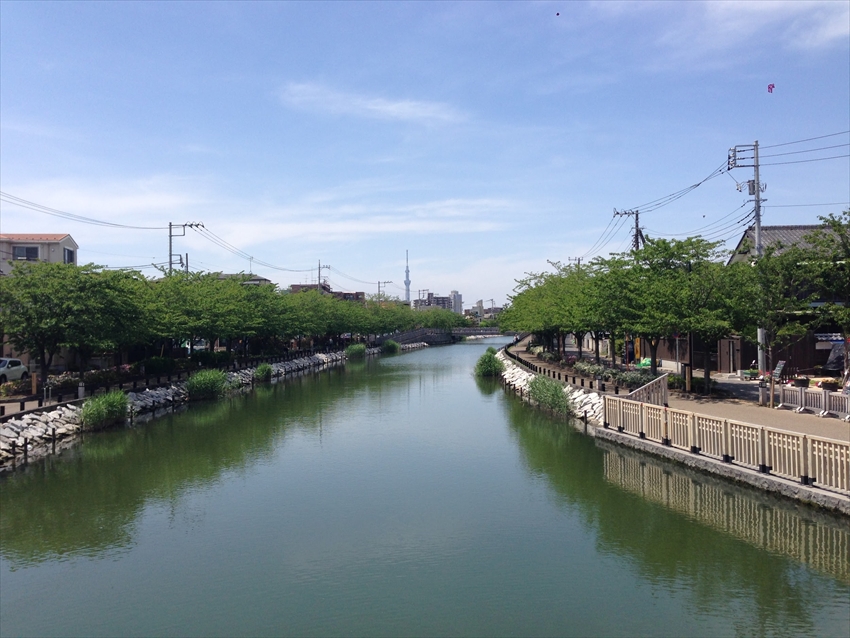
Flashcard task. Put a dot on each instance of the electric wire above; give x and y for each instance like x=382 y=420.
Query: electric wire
x=808 y=150
x=805 y=205
x=697 y=231
x=820 y=137
x=23 y=203
x=360 y=281
x=817 y=159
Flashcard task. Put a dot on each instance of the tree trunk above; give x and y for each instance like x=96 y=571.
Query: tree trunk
x=596 y=347
x=653 y=355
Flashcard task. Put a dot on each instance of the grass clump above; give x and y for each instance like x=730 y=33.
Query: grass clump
x=488 y=365
x=263 y=372
x=206 y=384
x=390 y=347
x=549 y=394
x=104 y=410
x=356 y=351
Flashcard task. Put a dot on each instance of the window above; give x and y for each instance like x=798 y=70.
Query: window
x=69 y=256
x=25 y=253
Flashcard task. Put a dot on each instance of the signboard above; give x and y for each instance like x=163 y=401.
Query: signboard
x=778 y=371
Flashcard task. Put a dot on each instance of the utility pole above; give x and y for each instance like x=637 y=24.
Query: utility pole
x=744 y=156
x=638 y=238
x=419 y=297
x=171 y=236
x=319 y=277
x=576 y=260
x=380 y=283
x=187 y=263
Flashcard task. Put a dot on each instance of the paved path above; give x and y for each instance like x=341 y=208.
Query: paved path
x=738 y=408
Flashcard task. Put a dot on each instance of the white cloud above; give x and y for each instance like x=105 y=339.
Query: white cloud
x=716 y=34
x=309 y=96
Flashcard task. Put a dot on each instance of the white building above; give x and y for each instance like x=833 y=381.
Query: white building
x=457 y=302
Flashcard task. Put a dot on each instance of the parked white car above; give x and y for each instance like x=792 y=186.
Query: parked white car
x=12 y=370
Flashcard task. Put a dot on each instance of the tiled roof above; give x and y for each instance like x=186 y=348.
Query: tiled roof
x=32 y=237
x=772 y=236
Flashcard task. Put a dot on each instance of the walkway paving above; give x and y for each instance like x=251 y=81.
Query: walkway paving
x=738 y=406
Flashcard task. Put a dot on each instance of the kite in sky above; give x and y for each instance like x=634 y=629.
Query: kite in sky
x=770 y=87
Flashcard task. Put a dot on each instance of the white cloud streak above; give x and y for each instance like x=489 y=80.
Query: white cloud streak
x=315 y=97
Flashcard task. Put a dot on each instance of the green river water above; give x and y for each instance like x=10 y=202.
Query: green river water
x=400 y=497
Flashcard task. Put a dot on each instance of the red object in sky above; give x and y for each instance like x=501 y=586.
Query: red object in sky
x=770 y=88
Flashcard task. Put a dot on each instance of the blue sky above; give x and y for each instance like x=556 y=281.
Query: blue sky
x=486 y=138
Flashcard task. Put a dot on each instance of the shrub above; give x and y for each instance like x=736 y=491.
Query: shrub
x=488 y=366
x=206 y=384
x=356 y=351
x=549 y=394
x=104 y=410
x=390 y=347
x=491 y=350
x=546 y=356
x=263 y=372
x=158 y=365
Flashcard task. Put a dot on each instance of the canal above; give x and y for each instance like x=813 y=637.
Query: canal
x=400 y=496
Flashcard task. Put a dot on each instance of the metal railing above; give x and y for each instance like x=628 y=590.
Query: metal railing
x=821 y=402
x=809 y=459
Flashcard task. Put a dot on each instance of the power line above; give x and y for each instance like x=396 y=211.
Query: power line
x=806 y=205
x=697 y=231
x=820 y=137
x=360 y=281
x=818 y=159
x=23 y=203
x=808 y=150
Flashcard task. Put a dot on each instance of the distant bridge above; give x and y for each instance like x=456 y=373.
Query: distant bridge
x=438 y=336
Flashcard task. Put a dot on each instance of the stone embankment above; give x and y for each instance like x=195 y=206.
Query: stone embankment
x=37 y=433
x=518 y=378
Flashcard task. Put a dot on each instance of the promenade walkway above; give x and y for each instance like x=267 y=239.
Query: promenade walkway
x=735 y=406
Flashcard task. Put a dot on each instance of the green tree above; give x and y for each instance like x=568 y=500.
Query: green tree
x=829 y=265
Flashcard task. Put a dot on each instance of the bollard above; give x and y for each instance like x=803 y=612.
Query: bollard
x=81 y=390
x=602 y=387
x=616 y=389
x=2 y=410
x=582 y=383
x=23 y=405
x=53 y=435
x=26 y=451
x=40 y=402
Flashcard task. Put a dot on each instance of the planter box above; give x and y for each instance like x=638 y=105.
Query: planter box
x=800 y=383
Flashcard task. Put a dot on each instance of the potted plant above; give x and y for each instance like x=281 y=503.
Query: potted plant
x=801 y=382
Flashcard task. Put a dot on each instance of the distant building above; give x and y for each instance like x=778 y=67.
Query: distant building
x=51 y=248
x=325 y=289
x=776 y=236
x=457 y=302
x=250 y=279
x=432 y=301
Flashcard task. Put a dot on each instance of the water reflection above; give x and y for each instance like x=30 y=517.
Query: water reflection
x=808 y=536
x=87 y=499
x=645 y=512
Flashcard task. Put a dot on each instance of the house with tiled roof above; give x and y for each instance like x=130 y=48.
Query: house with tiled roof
x=53 y=248
x=780 y=237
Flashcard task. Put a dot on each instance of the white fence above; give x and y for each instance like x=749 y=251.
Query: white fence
x=654 y=392
x=821 y=402
x=809 y=459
